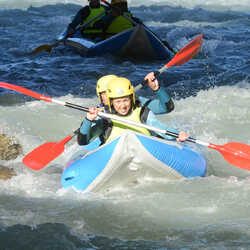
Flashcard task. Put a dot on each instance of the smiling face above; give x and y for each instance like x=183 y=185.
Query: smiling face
x=122 y=105
x=121 y=96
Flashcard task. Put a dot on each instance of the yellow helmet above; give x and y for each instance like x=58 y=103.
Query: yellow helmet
x=118 y=1
x=119 y=87
x=102 y=84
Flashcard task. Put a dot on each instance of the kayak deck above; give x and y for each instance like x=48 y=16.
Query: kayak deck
x=130 y=157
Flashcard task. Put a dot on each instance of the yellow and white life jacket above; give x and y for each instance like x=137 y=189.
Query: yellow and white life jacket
x=119 y=127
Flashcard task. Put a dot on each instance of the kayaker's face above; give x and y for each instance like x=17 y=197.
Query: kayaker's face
x=122 y=105
x=104 y=98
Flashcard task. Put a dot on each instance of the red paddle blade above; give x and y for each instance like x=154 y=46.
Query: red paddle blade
x=186 y=53
x=25 y=91
x=44 y=154
x=237 y=154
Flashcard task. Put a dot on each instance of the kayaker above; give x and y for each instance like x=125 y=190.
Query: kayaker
x=117 y=19
x=122 y=103
x=163 y=104
x=84 y=15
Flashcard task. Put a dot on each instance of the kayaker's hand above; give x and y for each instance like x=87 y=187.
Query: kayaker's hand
x=183 y=136
x=152 y=81
x=92 y=114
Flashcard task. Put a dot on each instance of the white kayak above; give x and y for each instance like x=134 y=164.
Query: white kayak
x=128 y=158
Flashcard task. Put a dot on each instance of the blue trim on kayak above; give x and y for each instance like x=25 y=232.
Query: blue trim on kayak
x=181 y=160
x=81 y=175
x=185 y=161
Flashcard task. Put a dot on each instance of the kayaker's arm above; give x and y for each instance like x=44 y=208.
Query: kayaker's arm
x=89 y=131
x=81 y=15
x=162 y=105
x=166 y=102
x=82 y=137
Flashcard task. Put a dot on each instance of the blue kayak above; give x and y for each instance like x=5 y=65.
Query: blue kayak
x=137 y=43
x=129 y=158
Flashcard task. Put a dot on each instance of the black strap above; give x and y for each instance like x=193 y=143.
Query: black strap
x=170 y=105
x=107 y=128
x=144 y=114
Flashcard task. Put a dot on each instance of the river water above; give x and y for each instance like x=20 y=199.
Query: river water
x=212 y=103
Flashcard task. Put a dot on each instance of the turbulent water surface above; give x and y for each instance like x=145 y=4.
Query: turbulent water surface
x=212 y=103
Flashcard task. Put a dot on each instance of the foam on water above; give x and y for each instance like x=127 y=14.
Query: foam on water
x=211 y=96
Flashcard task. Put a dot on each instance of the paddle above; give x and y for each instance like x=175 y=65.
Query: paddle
x=45 y=153
x=135 y=23
x=237 y=154
x=183 y=56
x=48 y=47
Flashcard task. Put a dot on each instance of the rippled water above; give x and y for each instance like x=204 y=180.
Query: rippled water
x=212 y=99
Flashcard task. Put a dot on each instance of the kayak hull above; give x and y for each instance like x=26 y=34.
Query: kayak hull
x=137 y=43
x=129 y=158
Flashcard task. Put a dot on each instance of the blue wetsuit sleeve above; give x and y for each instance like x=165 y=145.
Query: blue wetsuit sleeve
x=163 y=104
x=81 y=15
x=89 y=131
x=85 y=127
x=153 y=121
x=82 y=137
